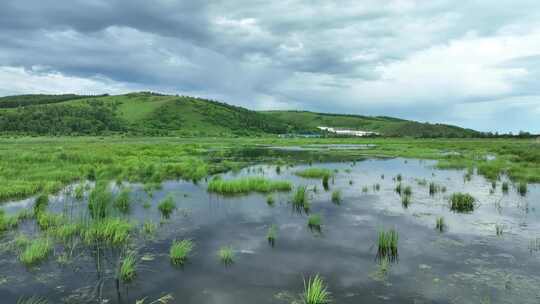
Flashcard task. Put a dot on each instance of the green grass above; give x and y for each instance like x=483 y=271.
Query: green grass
x=336 y=197
x=149 y=227
x=522 y=188
x=504 y=187
x=407 y=191
x=388 y=243
x=405 y=201
x=316 y=291
x=167 y=206
x=462 y=202
x=226 y=255
x=314 y=173
x=440 y=225
x=32 y=165
x=433 y=188
x=300 y=198
x=100 y=201
x=325 y=184
x=399 y=189
x=271 y=236
x=180 y=251
x=32 y=300
x=128 y=268
x=248 y=184
x=41 y=204
x=122 y=201
x=107 y=231
x=270 y=201
x=37 y=251
x=315 y=221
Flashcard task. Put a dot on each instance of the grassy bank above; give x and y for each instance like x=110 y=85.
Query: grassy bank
x=46 y=164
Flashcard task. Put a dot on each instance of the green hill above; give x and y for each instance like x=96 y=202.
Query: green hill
x=387 y=126
x=156 y=114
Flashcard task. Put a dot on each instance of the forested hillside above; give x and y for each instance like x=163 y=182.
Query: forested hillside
x=157 y=114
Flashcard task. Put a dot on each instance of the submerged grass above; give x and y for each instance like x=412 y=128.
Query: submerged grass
x=248 y=184
x=180 y=251
x=462 y=202
x=316 y=291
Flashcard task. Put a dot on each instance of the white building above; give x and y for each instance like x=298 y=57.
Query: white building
x=347 y=132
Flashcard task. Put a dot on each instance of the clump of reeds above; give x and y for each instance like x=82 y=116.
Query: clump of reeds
x=316 y=291
x=388 y=243
x=405 y=201
x=36 y=251
x=270 y=201
x=440 y=224
x=167 y=206
x=504 y=187
x=314 y=173
x=122 y=201
x=180 y=251
x=315 y=222
x=336 y=197
x=522 y=188
x=246 y=185
x=226 y=255
x=271 y=236
x=462 y=202
x=128 y=267
x=499 y=229
x=377 y=187
x=325 y=182
x=300 y=198
x=433 y=188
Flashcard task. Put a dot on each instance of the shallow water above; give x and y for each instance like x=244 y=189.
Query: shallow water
x=467 y=263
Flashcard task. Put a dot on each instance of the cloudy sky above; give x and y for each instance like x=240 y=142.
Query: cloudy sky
x=471 y=63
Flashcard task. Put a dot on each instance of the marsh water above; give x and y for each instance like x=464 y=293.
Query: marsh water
x=466 y=263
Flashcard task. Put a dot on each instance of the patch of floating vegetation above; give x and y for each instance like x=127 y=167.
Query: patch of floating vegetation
x=248 y=184
x=180 y=251
x=314 y=173
x=462 y=202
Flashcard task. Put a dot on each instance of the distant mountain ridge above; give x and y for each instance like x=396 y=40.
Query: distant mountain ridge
x=146 y=113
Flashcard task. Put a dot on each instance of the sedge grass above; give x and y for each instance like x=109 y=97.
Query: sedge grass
x=300 y=198
x=180 y=251
x=122 y=201
x=388 y=243
x=462 y=202
x=271 y=236
x=336 y=197
x=128 y=268
x=522 y=188
x=167 y=206
x=108 y=231
x=316 y=291
x=226 y=255
x=315 y=221
x=37 y=251
x=440 y=224
x=248 y=184
x=314 y=173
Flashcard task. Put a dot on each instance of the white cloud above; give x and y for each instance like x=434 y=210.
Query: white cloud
x=17 y=80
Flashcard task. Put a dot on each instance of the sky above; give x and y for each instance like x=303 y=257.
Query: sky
x=471 y=63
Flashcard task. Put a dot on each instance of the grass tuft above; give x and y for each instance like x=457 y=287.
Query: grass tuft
x=271 y=236
x=316 y=291
x=522 y=188
x=300 y=199
x=167 y=206
x=440 y=224
x=462 y=202
x=226 y=255
x=246 y=185
x=336 y=197
x=314 y=173
x=37 y=251
x=388 y=244
x=180 y=251
x=128 y=268
x=315 y=222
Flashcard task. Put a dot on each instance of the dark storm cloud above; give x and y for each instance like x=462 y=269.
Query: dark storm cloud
x=426 y=60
